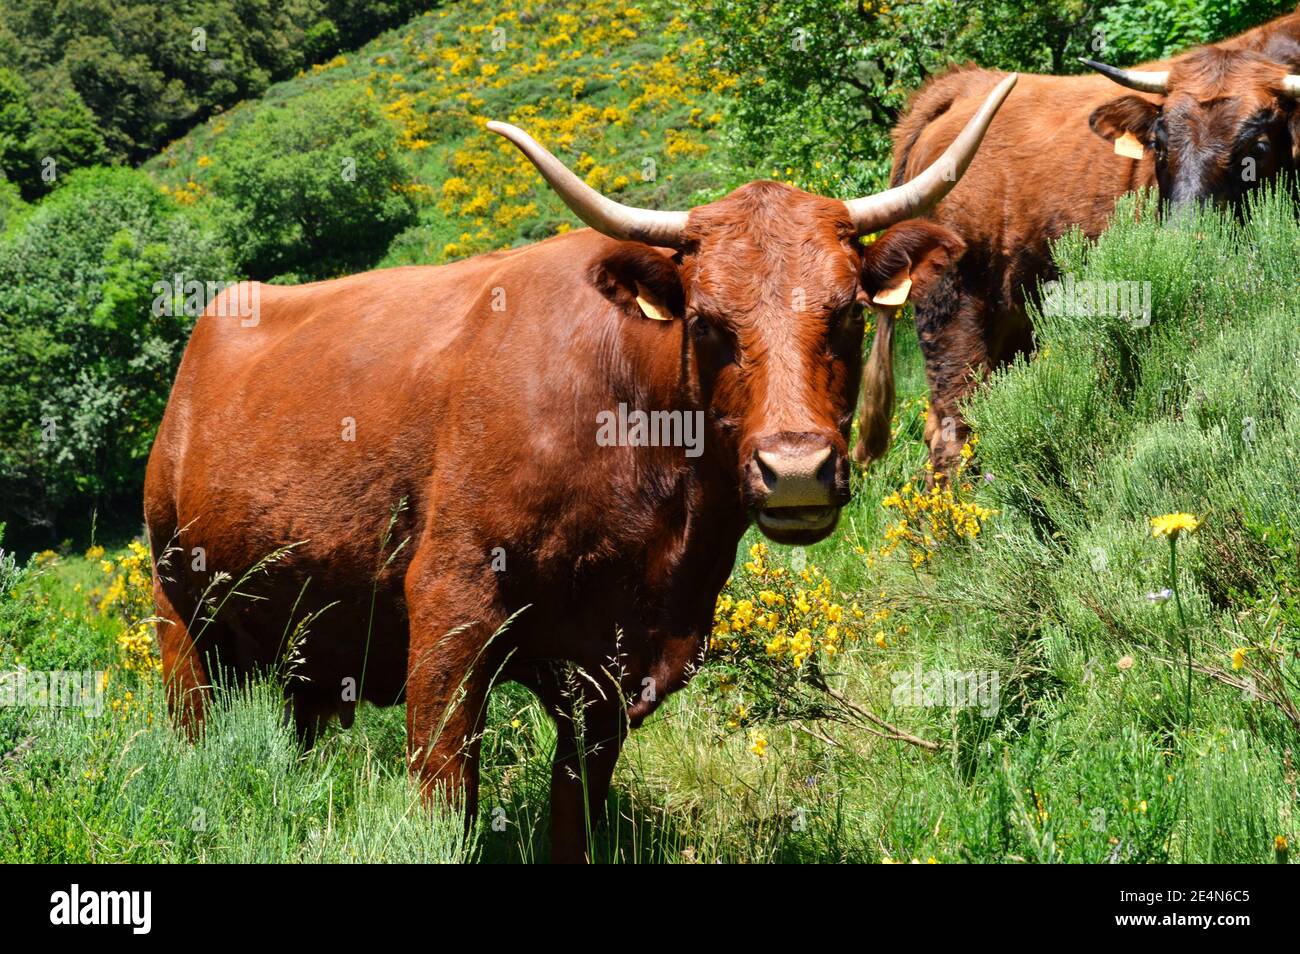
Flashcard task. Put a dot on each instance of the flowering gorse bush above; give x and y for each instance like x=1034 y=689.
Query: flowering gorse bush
x=929 y=519
x=776 y=630
x=129 y=598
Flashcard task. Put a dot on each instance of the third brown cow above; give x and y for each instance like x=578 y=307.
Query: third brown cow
x=1208 y=126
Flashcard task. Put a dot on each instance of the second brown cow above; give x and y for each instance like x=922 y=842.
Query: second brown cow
x=1208 y=126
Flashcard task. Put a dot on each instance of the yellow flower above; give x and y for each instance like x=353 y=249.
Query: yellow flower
x=1239 y=657
x=516 y=724
x=1172 y=524
x=1280 y=844
x=758 y=744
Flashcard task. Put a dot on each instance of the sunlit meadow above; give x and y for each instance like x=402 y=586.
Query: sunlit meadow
x=1118 y=556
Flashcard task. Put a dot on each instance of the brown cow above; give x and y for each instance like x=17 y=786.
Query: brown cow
x=1049 y=165
x=442 y=446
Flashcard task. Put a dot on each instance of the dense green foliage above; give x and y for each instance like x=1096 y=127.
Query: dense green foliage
x=319 y=188
x=86 y=365
x=821 y=82
x=116 y=79
x=1139 y=30
x=1110 y=424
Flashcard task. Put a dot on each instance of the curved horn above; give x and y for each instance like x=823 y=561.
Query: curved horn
x=1144 y=81
x=916 y=197
x=1291 y=86
x=601 y=213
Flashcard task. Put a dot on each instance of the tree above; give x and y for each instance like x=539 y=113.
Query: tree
x=317 y=189
x=16 y=126
x=87 y=364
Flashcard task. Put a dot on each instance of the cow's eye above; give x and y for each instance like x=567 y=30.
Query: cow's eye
x=846 y=330
x=845 y=320
x=712 y=341
x=1262 y=146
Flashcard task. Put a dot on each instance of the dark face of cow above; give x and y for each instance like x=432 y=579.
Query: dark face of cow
x=1225 y=123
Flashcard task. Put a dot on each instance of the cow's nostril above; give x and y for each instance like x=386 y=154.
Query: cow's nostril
x=765 y=470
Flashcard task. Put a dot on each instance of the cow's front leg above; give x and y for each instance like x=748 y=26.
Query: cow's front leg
x=450 y=667
x=956 y=361
x=590 y=730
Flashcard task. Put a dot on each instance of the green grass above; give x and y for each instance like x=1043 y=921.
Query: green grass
x=1090 y=756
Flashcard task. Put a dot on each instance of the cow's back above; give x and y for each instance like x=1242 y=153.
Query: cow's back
x=278 y=418
x=1040 y=171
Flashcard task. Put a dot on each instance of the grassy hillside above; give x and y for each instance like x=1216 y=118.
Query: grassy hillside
x=611 y=88
x=1064 y=634
x=1049 y=577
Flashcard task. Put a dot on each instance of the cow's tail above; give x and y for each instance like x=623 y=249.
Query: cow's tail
x=875 y=417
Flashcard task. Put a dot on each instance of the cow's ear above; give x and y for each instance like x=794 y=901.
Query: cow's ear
x=906 y=262
x=641 y=281
x=1124 y=120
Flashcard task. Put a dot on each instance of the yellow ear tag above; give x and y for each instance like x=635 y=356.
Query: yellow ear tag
x=894 y=297
x=650 y=309
x=1128 y=145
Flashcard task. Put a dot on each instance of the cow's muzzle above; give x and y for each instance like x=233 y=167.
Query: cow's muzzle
x=796 y=484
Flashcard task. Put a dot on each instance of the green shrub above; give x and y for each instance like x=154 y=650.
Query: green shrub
x=11 y=205
x=86 y=366
x=1139 y=30
x=318 y=188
